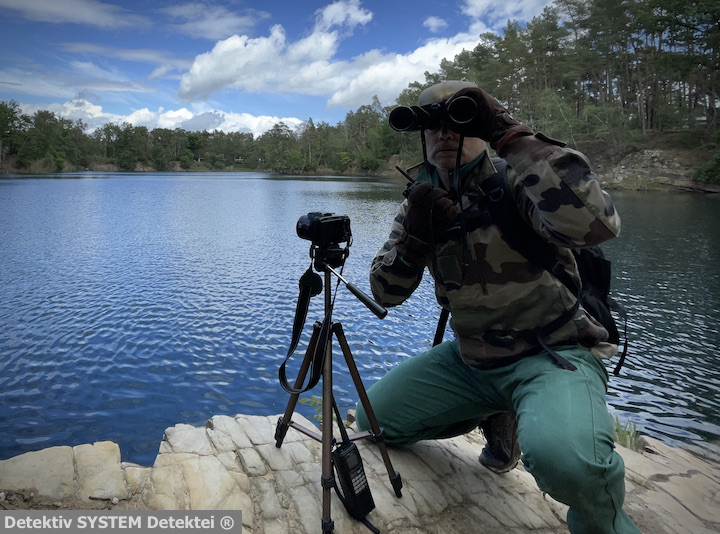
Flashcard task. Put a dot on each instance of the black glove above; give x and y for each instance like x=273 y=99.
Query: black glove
x=491 y=122
x=429 y=215
x=446 y=215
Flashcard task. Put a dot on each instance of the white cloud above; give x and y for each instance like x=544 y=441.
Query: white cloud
x=172 y=118
x=341 y=13
x=85 y=110
x=69 y=79
x=139 y=55
x=90 y=70
x=435 y=24
x=78 y=109
x=272 y=64
x=201 y=20
x=257 y=125
x=386 y=76
x=88 y=12
x=95 y=117
x=164 y=62
x=63 y=86
x=309 y=66
x=210 y=120
x=28 y=82
x=145 y=117
x=93 y=77
x=316 y=47
x=495 y=14
x=235 y=62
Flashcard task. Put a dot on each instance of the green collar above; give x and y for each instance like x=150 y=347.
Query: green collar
x=479 y=162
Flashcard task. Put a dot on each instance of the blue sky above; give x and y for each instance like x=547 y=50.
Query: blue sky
x=233 y=65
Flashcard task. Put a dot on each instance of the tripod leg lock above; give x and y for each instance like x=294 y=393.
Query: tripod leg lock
x=280 y=432
x=380 y=436
x=327 y=482
x=397 y=484
x=327 y=526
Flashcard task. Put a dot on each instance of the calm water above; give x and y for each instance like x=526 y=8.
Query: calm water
x=131 y=303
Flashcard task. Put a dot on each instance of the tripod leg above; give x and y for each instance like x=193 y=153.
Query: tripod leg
x=284 y=422
x=328 y=475
x=394 y=476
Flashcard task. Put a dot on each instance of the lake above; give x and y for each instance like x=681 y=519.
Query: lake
x=133 y=302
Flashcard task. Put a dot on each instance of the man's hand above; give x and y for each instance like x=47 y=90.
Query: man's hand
x=429 y=215
x=492 y=122
x=445 y=215
x=414 y=245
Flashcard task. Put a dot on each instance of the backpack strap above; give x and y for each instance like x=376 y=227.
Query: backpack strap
x=442 y=324
x=620 y=310
x=503 y=211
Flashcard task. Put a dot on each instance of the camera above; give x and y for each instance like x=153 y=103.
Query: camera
x=325 y=230
x=458 y=111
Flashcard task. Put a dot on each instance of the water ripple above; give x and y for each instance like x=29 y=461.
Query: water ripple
x=134 y=303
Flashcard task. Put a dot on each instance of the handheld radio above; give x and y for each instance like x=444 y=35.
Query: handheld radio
x=357 y=497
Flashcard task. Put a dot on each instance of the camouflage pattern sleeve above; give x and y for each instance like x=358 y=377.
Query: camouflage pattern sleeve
x=392 y=279
x=563 y=197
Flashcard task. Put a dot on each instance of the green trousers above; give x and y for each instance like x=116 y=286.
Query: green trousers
x=564 y=429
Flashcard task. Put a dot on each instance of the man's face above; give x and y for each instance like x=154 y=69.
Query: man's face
x=442 y=146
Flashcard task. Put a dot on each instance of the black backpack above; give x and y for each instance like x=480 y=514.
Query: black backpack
x=595 y=269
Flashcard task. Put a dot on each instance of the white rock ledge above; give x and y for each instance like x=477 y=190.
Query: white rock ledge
x=233 y=463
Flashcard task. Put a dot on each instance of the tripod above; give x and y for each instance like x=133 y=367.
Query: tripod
x=321 y=344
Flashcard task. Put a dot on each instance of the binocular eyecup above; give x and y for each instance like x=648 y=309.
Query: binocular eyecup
x=458 y=111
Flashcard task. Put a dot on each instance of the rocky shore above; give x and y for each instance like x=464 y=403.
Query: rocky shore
x=232 y=463
x=654 y=170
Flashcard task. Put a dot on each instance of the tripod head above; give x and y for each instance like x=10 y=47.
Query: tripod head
x=328 y=257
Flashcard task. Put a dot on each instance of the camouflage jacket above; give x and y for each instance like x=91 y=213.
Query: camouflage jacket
x=497 y=299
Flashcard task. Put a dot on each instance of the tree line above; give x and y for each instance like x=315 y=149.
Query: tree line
x=614 y=73
x=49 y=142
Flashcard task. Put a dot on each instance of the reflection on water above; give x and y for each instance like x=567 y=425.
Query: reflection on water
x=667 y=270
x=134 y=302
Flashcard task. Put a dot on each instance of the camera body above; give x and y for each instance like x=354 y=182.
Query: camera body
x=324 y=230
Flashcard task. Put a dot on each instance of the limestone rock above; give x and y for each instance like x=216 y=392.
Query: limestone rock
x=98 y=470
x=49 y=473
x=233 y=463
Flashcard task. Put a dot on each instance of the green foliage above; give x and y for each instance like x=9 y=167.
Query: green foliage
x=314 y=402
x=317 y=402
x=160 y=158
x=186 y=159
x=710 y=172
x=126 y=161
x=58 y=159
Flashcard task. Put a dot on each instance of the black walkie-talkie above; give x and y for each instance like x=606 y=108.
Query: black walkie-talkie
x=355 y=488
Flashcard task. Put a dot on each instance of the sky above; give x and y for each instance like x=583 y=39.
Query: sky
x=230 y=65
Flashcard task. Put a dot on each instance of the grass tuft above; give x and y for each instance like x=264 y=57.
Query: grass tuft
x=627 y=435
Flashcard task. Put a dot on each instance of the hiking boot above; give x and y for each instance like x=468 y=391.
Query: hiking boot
x=502 y=452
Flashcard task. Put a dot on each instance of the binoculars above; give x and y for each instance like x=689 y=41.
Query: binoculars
x=458 y=111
